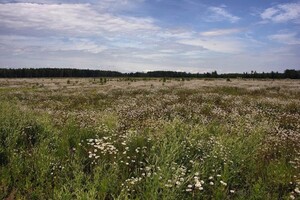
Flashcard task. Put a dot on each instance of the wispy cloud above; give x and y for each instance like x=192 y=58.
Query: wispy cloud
x=282 y=13
x=221 y=45
x=221 y=14
x=22 y=44
x=286 y=38
x=176 y=33
x=103 y=4
x=72 y=19
x=219 y=32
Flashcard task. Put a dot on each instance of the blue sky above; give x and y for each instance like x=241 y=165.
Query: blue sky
x=143 y=35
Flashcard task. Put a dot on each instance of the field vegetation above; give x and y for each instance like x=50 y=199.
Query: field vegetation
x=131 y=138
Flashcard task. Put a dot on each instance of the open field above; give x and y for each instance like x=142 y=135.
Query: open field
x=149 y=139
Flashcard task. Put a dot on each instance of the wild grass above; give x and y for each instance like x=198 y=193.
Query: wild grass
x=149 y=141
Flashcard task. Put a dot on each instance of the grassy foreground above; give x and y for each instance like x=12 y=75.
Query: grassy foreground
x=149 y=139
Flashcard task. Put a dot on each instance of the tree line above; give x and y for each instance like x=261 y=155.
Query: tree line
x=68 y=72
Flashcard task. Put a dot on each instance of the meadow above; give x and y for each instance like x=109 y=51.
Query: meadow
x=110 y=138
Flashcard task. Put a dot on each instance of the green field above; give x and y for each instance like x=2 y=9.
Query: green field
x=149 y=139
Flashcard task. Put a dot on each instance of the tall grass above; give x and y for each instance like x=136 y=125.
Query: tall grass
x=150 y=145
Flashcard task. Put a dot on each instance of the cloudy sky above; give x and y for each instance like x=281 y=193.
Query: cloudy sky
x=143 y=35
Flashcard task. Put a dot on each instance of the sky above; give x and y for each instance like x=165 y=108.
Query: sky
x=147 y=35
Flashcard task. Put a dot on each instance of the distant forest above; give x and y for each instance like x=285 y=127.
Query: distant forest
x=67 y=72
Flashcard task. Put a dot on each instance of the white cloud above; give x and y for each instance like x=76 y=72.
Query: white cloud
x=219 y=32
x=176 y=34
x=222 y=45
x=121 y=32
x=77 y=45
x=286 y=38
x=221 y=14
x=116 y=4
x=59 y=33
x=72 y=19
x=282 y=13
x=22 y=45
x=268 y=13
x=103 y=4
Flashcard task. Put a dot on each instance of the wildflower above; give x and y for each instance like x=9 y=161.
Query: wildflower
x=190 y=186
x=147 y=168
x=223 y=183
x=232 y=191
x=292 y=197
x=188 y=190
x=297 y=190
x=211 y=183
x=198 y=184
